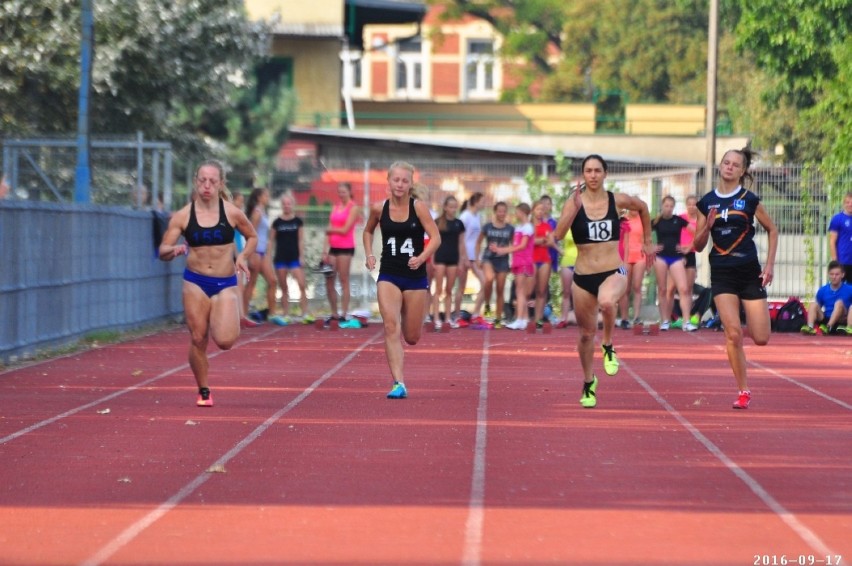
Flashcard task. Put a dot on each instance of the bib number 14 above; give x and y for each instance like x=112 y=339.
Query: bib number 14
x=407 y=247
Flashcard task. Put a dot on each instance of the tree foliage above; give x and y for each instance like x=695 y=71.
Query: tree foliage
x=806 y=48
x=171 y=70
x=651 y=51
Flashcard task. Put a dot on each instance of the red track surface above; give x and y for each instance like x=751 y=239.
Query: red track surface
x=491 y=459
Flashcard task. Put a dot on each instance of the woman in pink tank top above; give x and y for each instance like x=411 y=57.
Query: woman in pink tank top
x=340 y=248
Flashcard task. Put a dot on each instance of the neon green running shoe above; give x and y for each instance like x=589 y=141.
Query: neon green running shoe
x=610 y=359
x=589 y=398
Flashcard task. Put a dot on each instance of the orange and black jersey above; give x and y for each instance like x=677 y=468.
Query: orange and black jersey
x=732 y=235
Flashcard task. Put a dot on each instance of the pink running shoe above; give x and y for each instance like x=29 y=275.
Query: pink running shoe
x=743 y=400
x=205 y=399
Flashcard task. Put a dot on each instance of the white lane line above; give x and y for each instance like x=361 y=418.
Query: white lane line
x=476 y=511
x=786 y=378
x=153 y=516
x=807 y=535
x=804 y=386
x=118 y=393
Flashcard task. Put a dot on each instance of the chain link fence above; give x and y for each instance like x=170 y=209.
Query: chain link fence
x=137 y=173
x=797 y=199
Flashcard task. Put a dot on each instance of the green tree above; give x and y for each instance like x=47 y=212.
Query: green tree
x=651 y=51
x=257 y=127
x=806 y=48
x=172 y=70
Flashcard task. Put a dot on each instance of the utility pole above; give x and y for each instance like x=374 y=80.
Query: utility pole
x=83 y=174
x=710 y=126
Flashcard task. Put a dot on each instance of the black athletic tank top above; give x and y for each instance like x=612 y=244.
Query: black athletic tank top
x=400 y=242
x=606 y=229
x=220 y=234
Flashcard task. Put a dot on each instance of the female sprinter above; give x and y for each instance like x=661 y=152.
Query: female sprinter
x=211 y=298
x=402 y=287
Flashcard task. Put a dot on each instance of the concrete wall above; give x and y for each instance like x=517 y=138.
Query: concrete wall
x=544 y=118
x=313 y=12
x=316 y=75
x=665 y=119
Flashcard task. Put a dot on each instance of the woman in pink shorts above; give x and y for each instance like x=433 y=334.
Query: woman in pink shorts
x=522 y=264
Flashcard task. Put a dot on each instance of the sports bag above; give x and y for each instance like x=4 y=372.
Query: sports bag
x=790 y=317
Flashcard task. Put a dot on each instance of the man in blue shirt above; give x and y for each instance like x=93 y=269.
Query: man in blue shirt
x=840 y=236
x=832 y=304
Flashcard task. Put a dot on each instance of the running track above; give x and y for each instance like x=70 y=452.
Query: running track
x=104 y=459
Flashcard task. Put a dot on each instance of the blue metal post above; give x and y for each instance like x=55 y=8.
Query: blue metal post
x=83 y=176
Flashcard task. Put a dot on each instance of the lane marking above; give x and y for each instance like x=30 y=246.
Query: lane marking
x=804 y=386
x=786 y=378
x=806 y=534
x=121 y=392
x=153 y=516
x=476 y=506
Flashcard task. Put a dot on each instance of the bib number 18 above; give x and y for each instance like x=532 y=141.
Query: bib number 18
x=600 y=230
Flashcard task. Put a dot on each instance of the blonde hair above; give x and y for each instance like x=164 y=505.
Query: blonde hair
x=419 y=191
x=224 y=192
x=401 y=165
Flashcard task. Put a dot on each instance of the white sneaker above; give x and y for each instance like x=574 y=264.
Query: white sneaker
x=664 y=325
x=522 y=324
x=689 y=327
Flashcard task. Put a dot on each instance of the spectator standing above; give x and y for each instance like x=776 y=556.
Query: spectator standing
x=687 y=236
x=637 y=267
x=840 y=237
x=339 y=249
x=566 y=275
x=451 y=253
x=522 y=263
x=260 y=264
x=670 y=262
x=288 y=234
x=470 y=211
x=543 y=243
x=495 y=268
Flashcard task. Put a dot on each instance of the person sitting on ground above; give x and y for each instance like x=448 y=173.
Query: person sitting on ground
x=832 y=302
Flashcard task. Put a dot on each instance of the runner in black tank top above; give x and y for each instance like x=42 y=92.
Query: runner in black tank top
x=402 y=287
x=599 y=276
x=400 y=242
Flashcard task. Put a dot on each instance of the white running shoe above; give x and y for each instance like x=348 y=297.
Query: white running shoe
x=689 y=327
x=664 y=325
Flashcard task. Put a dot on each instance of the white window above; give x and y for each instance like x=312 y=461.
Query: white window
x=409 y=68
x=480 y=69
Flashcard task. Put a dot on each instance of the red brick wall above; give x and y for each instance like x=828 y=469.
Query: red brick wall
x=380 y=78
x=445 y=79
x=447 y=44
